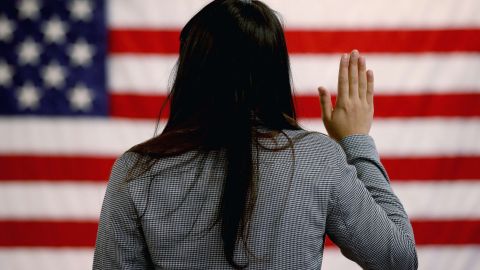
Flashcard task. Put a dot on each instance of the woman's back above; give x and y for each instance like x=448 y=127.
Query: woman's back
x=298 y=203
x=232 y=73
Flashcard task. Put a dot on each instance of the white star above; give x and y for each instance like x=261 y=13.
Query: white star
x=81 y=98
x=53 y=75
x=28 y=96
x=81 y=53
x=28 y=52
x=6 y=74
x=6 y=28
x=28 y=9
x=54 y=30
x=81 y=10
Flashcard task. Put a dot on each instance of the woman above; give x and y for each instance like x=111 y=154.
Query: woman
x=233 y=181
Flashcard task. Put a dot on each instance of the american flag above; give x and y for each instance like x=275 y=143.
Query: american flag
x=82 y=81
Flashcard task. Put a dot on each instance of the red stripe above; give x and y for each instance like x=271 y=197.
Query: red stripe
x=453 y=232
x=143 y=41
x=61 y=168
x=25 y=167
x=384 y=41
x=433 y=168
x=449 y=232
x=166 y=41
x=424 y=105
x=138 y=106
x=308 y=106
x=83 y=233
x=48 y=233
x=442 y=105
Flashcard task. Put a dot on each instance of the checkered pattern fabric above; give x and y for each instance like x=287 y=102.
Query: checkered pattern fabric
x=338 y=189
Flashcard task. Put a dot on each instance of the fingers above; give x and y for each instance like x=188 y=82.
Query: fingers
x=326 y=101
x=343 y=79
x=353 y=79
x=370 y=87
x=362 y=78
x=353 y=74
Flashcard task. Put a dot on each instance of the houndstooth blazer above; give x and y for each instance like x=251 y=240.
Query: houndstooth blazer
x=338 y=189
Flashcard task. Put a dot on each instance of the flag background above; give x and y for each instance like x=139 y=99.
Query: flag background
x=55 y=158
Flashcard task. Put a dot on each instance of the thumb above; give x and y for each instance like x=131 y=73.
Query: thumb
x=326 y=102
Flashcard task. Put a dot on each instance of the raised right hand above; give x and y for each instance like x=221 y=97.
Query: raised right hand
x=353 y=112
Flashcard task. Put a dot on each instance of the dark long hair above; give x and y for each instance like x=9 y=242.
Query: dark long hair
x=232 y=74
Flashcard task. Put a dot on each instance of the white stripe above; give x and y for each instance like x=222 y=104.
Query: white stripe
x=96 y=136
x=51 y=201
x=19 y=200
x=310 y=13
x=394 y=73
x=140 y=73
x=72 y=136
x=421 y=137
x=430 y=258
x=440 y=199
x=46 y=258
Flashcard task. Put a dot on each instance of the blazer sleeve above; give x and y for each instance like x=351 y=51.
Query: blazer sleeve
x=120 y=243
x=365 y=218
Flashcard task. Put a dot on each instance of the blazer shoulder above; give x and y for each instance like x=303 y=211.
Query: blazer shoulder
x=319 y=147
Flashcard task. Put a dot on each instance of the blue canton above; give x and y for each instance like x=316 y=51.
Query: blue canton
x=53 y=58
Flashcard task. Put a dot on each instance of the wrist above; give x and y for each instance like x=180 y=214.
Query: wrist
x=358 y=145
